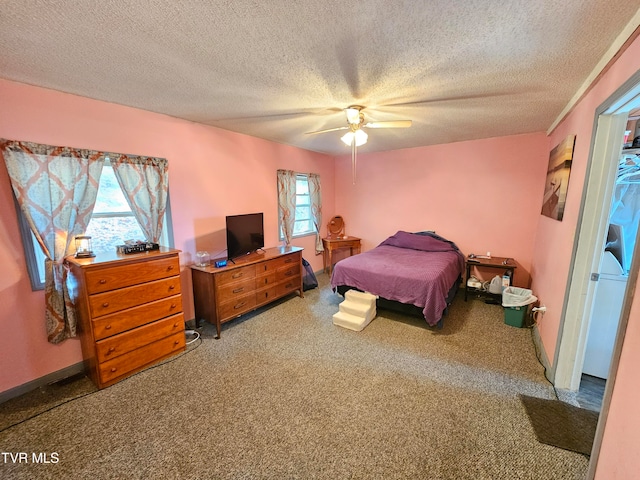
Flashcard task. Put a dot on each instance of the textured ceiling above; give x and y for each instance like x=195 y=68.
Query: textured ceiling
x=277 y=69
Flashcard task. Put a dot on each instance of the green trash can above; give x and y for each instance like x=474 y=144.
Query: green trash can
x=516 y=302
x=516 y=316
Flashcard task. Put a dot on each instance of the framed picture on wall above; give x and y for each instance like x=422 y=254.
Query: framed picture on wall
x=557 y=183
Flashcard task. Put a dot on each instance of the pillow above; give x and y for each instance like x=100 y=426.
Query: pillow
x=414 y=241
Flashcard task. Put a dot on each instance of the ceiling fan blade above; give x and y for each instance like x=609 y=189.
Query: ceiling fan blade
x=327 y=130
x=389 y=124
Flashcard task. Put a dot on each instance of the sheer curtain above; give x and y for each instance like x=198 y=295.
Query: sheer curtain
x=144 y=181
x=287 y=202
x=316 y=208
x=56 y=189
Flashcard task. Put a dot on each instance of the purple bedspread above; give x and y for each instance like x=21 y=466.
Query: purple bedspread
x=408 y=268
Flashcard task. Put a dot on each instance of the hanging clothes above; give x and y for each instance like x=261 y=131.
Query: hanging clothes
x=625 y=206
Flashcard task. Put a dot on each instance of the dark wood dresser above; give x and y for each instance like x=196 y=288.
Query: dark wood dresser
x=129 y=311
x=222 y=294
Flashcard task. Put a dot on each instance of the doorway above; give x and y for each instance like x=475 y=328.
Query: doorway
x=610 y=124
x=615 y=263
x=590 y=242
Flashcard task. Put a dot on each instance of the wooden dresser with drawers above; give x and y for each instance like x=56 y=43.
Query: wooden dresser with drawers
x=222 y=294
x=129 y=310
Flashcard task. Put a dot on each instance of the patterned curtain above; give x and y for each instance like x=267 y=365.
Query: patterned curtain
x=144 y=181
x=316 y=208
x=56 y=189
x=287 y=202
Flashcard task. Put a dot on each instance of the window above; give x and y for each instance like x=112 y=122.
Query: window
x=112 y=222
x=303 y=224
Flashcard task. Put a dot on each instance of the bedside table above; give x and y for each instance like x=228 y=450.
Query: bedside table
x=500 y=263
x=332 y=244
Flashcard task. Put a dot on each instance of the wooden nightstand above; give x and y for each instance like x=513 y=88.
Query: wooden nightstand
x=507 y=265
x=331 y=244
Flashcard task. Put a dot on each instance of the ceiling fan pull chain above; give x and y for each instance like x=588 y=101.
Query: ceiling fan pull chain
x=353 y=160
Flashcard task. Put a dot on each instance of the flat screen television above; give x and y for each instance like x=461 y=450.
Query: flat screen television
x=245 y=234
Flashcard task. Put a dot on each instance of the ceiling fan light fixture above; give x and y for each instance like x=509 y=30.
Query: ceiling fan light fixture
x=359 y=135
x=347 y=138
x=353 y=115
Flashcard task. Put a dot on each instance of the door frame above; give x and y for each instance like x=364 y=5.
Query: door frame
x=588 y=247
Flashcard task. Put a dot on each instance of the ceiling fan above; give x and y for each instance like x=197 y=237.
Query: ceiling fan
x=356 y=136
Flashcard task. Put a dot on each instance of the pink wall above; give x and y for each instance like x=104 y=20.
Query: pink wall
x=553 y=249
x=212 y=173
x=621 y=442
x=485 y=195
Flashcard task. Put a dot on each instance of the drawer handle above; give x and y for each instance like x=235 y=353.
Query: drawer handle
x=289 y=285
x=102 y=281
x=105 y=304
x=265 y=268
x=238 y=290
x=236 y=275
x=108 y=327
x=266 y=280
x=288 y=273
x=173 y=305
x=112 y=349
x=113 y=369
x=288 y=260
x=175 y=324
x=170 y=267
x=176 y=342
x=240 y=305
x=171 y=287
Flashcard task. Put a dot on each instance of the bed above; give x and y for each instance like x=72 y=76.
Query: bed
x=415 y=273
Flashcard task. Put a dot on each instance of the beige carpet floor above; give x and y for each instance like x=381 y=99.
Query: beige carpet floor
x=285 y=394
